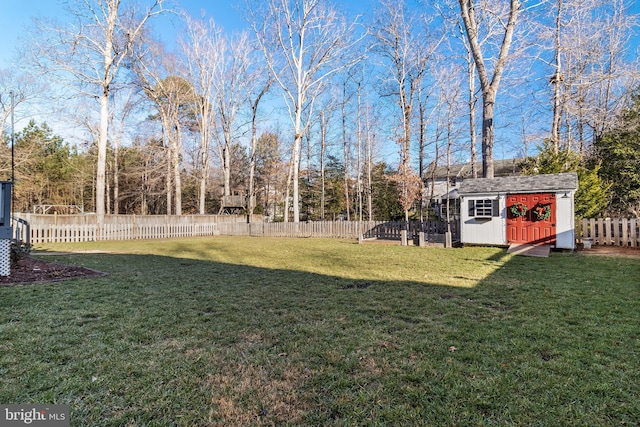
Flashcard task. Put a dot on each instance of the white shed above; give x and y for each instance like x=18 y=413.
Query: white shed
x=519 y=210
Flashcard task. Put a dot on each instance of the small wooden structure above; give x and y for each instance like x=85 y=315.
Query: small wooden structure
x=536 y=209
x=59 y=209
x=234 y=205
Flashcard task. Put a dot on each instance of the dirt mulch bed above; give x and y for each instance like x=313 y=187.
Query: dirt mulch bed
x=30 y=270
x=610 y=250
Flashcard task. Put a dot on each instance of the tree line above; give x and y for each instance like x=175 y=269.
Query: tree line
x=300 y=112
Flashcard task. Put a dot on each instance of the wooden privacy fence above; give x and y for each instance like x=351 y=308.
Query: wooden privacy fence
x=609 y=231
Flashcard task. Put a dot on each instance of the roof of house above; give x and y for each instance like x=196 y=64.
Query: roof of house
x=520 y=184
x=505 y=167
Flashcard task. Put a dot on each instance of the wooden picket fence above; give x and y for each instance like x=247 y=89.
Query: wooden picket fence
x=609 y=231
x=40 y=228
x=387 y=230
x=84 y=228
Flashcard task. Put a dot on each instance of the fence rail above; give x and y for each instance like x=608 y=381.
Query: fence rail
x=388 y=230
x=82 y=228
x=38 y=228
x=610 y=231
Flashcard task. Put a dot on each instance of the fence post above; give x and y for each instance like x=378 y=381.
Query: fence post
x=421 y=241
x=600 y=234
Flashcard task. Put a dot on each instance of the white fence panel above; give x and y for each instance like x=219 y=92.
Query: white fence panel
x=82 y=228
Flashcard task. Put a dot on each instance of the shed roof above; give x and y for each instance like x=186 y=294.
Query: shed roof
x=521 y=184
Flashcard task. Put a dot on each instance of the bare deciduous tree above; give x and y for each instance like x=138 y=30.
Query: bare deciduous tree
x=305 y=42
x=173 y=98
x=230 y=98
x=471 y=12
x=405 y=50
x=125 y=107
x=24 y=89
x=257 y=84
x=87 y=55
x=204 y=51
x=589 y=43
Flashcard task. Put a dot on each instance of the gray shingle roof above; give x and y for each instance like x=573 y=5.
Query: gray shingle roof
x=521 y=184
x=501 y=167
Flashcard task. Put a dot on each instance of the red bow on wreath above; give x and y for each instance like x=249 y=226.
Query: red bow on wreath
x=541 y=211
x=518 y=210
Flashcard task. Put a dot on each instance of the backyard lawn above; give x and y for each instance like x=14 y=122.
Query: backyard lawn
x=230 y=331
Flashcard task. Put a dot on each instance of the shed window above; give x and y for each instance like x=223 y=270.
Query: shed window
x=484 y=208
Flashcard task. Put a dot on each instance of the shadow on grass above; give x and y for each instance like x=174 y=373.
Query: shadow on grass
x=182 y=341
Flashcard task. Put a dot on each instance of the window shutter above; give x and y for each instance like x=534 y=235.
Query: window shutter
x=472 y=208
x=495 y=205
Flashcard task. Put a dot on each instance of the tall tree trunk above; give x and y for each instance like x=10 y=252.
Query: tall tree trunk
x=252 y=165
x=116 y=176
x=488 y=134
x=369 y=161
x=488 y=84
x=359 y=159
x=288 y=189
x=226 y=162
x=556 y=80
x=295 y=166
x=204 y=163
x=345 y=145
x=323 y=150
x=169 y=181
x=176 y=172
x=108 y=62
x=471 y=75
x=422 y=144
x=101 y=171
x=202 y=194
x=254 y=146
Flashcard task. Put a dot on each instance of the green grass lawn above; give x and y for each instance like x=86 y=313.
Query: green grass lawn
x=249 y=331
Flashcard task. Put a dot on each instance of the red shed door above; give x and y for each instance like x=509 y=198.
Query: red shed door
x=538 y=225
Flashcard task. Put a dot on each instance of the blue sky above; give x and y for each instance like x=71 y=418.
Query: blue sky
x=15 y=19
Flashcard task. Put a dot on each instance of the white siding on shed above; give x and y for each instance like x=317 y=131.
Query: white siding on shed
x=493 y=231
x=487 y=230
x=565 y=222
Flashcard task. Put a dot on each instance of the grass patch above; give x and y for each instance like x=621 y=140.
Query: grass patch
x=242 y=331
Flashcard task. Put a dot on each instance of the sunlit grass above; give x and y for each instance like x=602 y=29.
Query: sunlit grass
x=242 y=331
x=343 y=258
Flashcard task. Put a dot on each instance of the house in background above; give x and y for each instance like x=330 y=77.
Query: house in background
x=534 y=209
x=436 y=191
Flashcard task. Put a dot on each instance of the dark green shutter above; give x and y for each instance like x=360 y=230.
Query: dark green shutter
x=472 y=208
x=495 y=205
